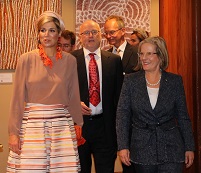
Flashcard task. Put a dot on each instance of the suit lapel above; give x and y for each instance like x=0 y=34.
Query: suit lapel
x=143 y=97
x=164 y=93
x=104 y=61
x=126 y=56
x=82 y=74
x=110 y=50
x=82 y=66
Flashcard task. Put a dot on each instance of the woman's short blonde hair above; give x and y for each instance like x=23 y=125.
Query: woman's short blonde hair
x=50 y=16
x=161 y=50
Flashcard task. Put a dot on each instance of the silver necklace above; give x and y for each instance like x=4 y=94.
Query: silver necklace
x=153 y=84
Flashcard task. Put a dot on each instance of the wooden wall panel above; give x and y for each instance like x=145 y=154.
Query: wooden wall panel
x=176 y=18
x=176 y=28
x=197 y=77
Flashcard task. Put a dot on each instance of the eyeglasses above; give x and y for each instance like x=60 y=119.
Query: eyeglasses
x=65 y=46
x=87 y=33
x=148 y=54
x=111 y=33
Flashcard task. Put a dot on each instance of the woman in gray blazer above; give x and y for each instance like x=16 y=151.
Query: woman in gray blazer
x=153 y=101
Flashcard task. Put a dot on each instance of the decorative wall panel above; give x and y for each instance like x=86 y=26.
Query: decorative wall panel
x=136 y=13
x=17 y=27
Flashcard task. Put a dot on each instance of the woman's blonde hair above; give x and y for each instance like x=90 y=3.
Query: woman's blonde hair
x=50 y=16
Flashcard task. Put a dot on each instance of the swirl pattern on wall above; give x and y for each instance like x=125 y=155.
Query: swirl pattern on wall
x=136 y=13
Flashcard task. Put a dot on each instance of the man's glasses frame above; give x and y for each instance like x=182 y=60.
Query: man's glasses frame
x=65 y=46
x=87 y=33
x=112 y=32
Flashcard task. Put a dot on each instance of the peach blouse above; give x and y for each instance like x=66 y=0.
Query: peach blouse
x=36 y=83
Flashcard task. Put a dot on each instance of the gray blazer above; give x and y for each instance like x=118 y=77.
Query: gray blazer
x=159 y=135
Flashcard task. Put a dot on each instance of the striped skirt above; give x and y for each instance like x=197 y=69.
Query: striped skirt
x=48 y=141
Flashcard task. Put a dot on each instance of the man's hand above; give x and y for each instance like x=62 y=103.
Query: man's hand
x=85 y=109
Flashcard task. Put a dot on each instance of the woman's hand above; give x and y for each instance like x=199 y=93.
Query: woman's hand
x=125 y=156
x=189 y=157
x=14 y=144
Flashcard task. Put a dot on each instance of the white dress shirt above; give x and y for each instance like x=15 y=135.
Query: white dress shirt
x=95 y=109
x=120 y=49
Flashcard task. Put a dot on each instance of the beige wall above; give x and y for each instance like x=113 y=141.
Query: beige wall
x=5 y=95
x=154 y=19
x=68 y=13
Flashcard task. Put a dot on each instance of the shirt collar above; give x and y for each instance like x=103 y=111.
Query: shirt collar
x=121 y=47
x=97 y=52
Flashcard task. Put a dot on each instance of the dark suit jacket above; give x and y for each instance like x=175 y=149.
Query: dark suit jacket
x=162 y=134
x=112 y=78
x=129 y=59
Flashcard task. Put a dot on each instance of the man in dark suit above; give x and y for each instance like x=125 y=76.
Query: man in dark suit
x=99 y=119
x=114 y=32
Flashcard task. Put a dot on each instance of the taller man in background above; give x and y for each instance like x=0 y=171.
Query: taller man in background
x=114 y=32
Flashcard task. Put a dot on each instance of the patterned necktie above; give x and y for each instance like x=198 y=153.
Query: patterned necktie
x=94 y=82
x=118 y=51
